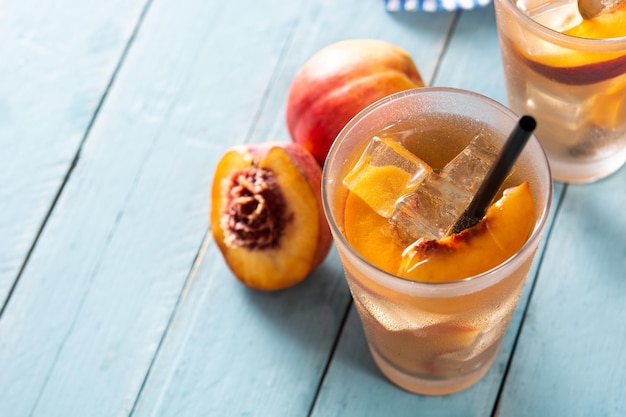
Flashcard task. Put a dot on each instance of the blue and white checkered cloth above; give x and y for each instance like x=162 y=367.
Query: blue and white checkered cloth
x=433 y=5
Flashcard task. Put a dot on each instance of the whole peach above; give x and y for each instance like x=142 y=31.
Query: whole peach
x=339 y=81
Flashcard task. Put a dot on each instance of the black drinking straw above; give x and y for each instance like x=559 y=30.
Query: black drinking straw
x=496 y=175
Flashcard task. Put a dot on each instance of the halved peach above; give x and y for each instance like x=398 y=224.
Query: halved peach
x=502 y=232
x=266 y=214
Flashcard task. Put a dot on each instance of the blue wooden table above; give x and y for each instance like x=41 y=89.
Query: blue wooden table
x=114 y=299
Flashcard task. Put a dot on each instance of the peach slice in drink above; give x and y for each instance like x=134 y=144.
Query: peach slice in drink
x=503 y=231
x=577 y=67
x=371 y=235
x=498 y=236
x=602 y=26
x=410 y=337
x=385 y=172
x=610 y=108
x=417 y=350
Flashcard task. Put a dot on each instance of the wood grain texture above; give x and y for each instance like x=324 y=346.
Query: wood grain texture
x=236 y=351
x=472 y=60
x=125 y=306
x=571 y=354
x=323 y=22
x=57 y=61
x=81 y=329
x=264 y=354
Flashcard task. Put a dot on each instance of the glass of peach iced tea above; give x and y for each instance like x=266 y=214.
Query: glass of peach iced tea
x=434 y=306
x=569 y=72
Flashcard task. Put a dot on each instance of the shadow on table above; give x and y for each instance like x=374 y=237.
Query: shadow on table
x=310 y=314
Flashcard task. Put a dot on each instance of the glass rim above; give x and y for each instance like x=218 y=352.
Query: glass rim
x=397 y=281
x=607 y=44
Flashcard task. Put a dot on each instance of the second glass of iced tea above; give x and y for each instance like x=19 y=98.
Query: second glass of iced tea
x=430 y=338
x=570 y=74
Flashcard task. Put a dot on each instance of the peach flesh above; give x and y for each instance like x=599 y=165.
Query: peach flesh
x=266 y=214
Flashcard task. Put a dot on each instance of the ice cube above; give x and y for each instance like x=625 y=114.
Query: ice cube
x=385 y=172
x=468 y=169
x=558 y=15
x=568 y=111
x=441 y=198
x=430 y=210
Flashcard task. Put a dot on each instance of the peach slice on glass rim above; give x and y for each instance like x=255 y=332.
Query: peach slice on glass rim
x=266 y=214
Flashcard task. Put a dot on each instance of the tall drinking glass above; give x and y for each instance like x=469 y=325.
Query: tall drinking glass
x=433 y=337
x=575 y=87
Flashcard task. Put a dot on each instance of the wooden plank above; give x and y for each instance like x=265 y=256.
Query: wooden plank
x=328 y=21
x=472 y=61
x=82 y=327
x=353 y=385
x=572 y=350
x=232 y=351
x=236 y=351
x=57 y=60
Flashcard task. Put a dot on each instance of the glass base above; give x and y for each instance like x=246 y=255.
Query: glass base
x=584 y=172
x=426 y=386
